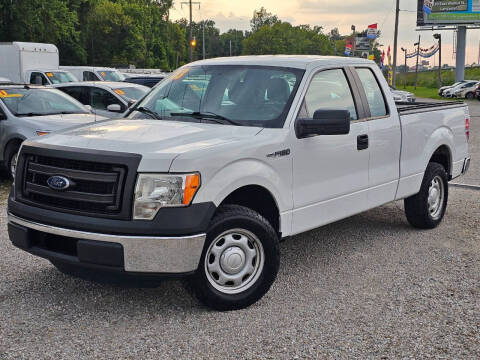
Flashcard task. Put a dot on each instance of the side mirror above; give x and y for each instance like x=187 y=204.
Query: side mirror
x=114 y=108
x=131 y=102
x=324 y=122
x=89 y=107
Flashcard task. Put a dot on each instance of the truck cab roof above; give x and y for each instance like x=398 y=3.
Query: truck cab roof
x=292 y=61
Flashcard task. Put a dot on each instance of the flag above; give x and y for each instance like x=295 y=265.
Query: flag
x=382 y=59
x=372 y=31
x=389 y=56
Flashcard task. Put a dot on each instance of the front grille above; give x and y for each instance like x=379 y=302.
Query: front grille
x=95 y=188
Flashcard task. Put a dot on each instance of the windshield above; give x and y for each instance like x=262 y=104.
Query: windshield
x=111 y=75
x=33 y=101
x=59 y=77
x=243 y=94
x=132 y=93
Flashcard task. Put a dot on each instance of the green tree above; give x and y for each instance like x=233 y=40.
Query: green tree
x=262 y=18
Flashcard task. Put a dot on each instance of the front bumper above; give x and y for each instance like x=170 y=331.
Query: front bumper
x=124 y=253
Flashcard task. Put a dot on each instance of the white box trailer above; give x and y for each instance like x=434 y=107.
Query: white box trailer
x=37 y=63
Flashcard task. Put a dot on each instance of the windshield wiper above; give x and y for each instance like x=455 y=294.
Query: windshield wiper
x=220 y=119
x=147 y=111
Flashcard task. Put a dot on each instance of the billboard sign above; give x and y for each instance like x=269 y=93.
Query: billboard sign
x=362 y=44
x=448 y=12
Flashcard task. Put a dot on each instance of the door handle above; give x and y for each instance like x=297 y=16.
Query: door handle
x=362 y=142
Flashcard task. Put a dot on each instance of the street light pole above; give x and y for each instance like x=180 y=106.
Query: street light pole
x=395 y=44
x=405 y=69
x=416 y=68
x=439 y=38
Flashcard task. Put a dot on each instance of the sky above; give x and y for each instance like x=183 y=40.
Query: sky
x=334 y=13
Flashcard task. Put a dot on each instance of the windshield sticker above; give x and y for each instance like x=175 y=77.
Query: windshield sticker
x=103 y=73
x=181 y=73
x=49 y=74
x=119 y=91
x=4 y=94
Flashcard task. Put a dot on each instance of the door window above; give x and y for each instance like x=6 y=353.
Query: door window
x=89 y=76
x=328 y=90
x=76 y=92
x=100 y=99
x=38 y=79
x=375 y=98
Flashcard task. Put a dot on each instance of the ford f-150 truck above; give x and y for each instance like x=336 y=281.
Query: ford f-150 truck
x=222 y=160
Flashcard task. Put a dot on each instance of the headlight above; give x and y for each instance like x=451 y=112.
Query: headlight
x=154 y=191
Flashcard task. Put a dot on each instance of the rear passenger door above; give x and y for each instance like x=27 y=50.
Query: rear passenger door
x=384 y=135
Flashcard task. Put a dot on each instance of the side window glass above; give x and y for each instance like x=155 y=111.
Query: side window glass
x=100 y=99
x=38 y=79
x=329 y=89
x=75 y=92
x=89 y=76
x=375 y=98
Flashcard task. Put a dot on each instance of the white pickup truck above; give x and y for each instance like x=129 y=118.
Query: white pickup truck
x=222 y=160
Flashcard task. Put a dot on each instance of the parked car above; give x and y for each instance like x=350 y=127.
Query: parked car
x=30 y=111
x=32 y=63
x=450 y=92
x=149 y=81
x=95 y=73
x=443 y=88
x=109 y=99
x=4 y=80
x=402 y=96
x=206 y=183
x=466 y=91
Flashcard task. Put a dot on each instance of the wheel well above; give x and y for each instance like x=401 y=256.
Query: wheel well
x=442 y=156
x=10 y=143
x=259 y=199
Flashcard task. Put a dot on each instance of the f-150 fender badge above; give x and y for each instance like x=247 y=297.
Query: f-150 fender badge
x=279 y=153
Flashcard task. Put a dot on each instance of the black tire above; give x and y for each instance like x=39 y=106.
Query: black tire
x=417 y=207
x=10 y=152
x=470 y=96
x=227 y=218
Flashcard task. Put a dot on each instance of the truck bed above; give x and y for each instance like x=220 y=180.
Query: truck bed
x=404 y=108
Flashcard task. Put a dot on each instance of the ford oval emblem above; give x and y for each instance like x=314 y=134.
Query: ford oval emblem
x=58 y=182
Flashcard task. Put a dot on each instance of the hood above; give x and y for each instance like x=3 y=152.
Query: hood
x=401 y=93
x=61 y=121
x=158 y=141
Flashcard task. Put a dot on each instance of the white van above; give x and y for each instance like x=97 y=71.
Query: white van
x=93 y=73
x=32 y=63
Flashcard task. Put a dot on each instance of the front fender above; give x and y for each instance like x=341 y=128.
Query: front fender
x=246 y=172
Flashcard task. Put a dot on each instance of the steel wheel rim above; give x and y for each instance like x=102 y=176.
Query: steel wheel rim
x=436 y=194
x=234 y=261
x=13 y=164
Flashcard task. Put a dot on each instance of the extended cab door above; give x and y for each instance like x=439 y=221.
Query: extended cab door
x=330 y=172
x=384 y=135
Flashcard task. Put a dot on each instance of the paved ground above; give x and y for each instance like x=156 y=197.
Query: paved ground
x=366 y=287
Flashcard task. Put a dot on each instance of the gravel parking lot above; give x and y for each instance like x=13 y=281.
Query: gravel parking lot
x=366 y=287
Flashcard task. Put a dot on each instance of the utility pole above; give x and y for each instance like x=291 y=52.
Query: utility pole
x=439 y=38
x=460 y=60
x=203 y=40
x=416 y=68
x=395 y=44
x=190 y=40
x=405 y=69
x=230 y=47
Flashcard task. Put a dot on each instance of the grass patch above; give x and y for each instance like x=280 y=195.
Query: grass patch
x=423 y=92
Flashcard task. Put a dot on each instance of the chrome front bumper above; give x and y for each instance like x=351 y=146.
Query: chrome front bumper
x=148 y=254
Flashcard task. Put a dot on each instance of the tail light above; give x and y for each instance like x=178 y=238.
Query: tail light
x=467 y=128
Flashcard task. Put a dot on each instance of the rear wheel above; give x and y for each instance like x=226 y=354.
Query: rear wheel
x=240 y=259
x=426 y=209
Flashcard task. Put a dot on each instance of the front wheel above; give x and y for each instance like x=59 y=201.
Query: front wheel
x=426 y=209
x=11 y=157
x=240 y=259
x=470 y=96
